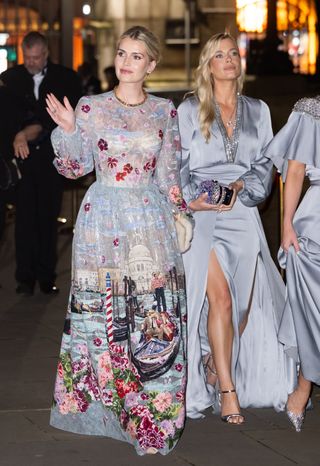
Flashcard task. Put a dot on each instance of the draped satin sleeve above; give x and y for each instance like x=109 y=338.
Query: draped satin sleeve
x=299 y=138
x=186 y=128
x=258 y=180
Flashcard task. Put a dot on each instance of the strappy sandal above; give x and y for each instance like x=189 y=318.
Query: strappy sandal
x=209 y=368
x=229 y=417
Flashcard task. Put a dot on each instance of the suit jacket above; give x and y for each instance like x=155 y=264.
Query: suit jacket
x=59 y=80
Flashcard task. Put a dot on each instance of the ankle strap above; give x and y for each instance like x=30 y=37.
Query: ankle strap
x=228 y=391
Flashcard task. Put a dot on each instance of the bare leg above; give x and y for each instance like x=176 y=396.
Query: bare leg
x=220 y=334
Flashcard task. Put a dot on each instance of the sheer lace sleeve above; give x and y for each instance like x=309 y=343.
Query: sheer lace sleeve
x=73 y=152
x=167 y=174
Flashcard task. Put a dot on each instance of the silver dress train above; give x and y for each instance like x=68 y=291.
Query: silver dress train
x=299 y=140
x=262 y=372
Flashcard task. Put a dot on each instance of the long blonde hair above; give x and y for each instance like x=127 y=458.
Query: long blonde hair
x=205 y=84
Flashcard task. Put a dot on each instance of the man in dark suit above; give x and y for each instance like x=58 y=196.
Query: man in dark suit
x=39 y=193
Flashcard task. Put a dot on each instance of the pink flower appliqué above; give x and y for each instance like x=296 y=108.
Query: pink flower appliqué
x=102 y=144
x=178 y=367
x=86 y=108
x=173 y=113
x=112 y=162
x=97 y=341
x=162 y=401
x=87 y=207
x=128 y=168
x=116 y=242
x=120 y=176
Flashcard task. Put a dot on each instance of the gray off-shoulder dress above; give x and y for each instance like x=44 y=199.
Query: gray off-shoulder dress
x=262 y=372
x=299 y=140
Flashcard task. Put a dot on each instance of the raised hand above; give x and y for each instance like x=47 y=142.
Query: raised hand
x=62 y=114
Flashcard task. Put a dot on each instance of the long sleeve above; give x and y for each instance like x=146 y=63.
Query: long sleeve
x=73 y=152
x=258 y=180
x=186 y=128
x=167 y=175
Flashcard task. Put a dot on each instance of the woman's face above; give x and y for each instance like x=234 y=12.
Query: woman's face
x=132 y=62
x=225 y=63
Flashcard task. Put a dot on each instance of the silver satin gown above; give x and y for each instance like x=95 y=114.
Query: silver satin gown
x=262 y=372
x=299 y=140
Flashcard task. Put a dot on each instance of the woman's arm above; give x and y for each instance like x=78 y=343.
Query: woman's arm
x=72 y=138
x=292 y=193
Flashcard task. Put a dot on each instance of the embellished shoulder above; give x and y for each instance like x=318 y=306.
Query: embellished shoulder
x=310 y=105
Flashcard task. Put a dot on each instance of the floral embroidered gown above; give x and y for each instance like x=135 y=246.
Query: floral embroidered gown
x=121 y=371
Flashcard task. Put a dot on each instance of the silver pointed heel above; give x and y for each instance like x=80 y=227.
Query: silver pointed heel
x=296 y=419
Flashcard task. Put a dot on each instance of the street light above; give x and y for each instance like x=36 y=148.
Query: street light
x=86 y=9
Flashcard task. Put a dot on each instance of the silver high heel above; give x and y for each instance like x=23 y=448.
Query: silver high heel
x=296 y=419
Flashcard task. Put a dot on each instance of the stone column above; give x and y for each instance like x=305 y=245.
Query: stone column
x=67 y=11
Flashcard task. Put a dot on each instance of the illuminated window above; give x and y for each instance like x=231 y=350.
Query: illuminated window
x=252 y=15
x=296 y=25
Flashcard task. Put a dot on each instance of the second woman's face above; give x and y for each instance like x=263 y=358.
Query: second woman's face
x=225 y=63
x=132 y=62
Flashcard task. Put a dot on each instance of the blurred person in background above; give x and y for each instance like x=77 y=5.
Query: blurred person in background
x=39 y=192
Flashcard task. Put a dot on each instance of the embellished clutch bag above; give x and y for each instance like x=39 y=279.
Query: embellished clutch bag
x=217 y=193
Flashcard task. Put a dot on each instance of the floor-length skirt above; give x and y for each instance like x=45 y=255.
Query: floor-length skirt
x=121 y=371
x=262 y=372
x=300 y=328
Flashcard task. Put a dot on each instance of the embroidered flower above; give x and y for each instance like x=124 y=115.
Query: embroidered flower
x=131 y=399
x=97 y=341
x=173 y=113
x=81 y=400
x=178 y=367
x=162 y=401
x=86 y=108
x=132 y=428
x=180 y=395
x=150 y=165
x=128 y=168
x=60 y=369
x=141 y=411
x=149 y=435
x=124 y=419
x=120 y=176
x=168 y=428
x=102 y=144
x=112 y=162
x=75 y=165
x=116 y=242
x=160 y=134
x=181 y=417
x=144 y=396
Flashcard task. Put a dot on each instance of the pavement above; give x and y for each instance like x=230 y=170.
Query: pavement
x=30 y=334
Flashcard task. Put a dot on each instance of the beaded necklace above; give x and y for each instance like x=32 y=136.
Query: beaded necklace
x=126 y=104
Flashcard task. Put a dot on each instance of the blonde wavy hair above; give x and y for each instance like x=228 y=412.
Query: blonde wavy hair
x=204 y=83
